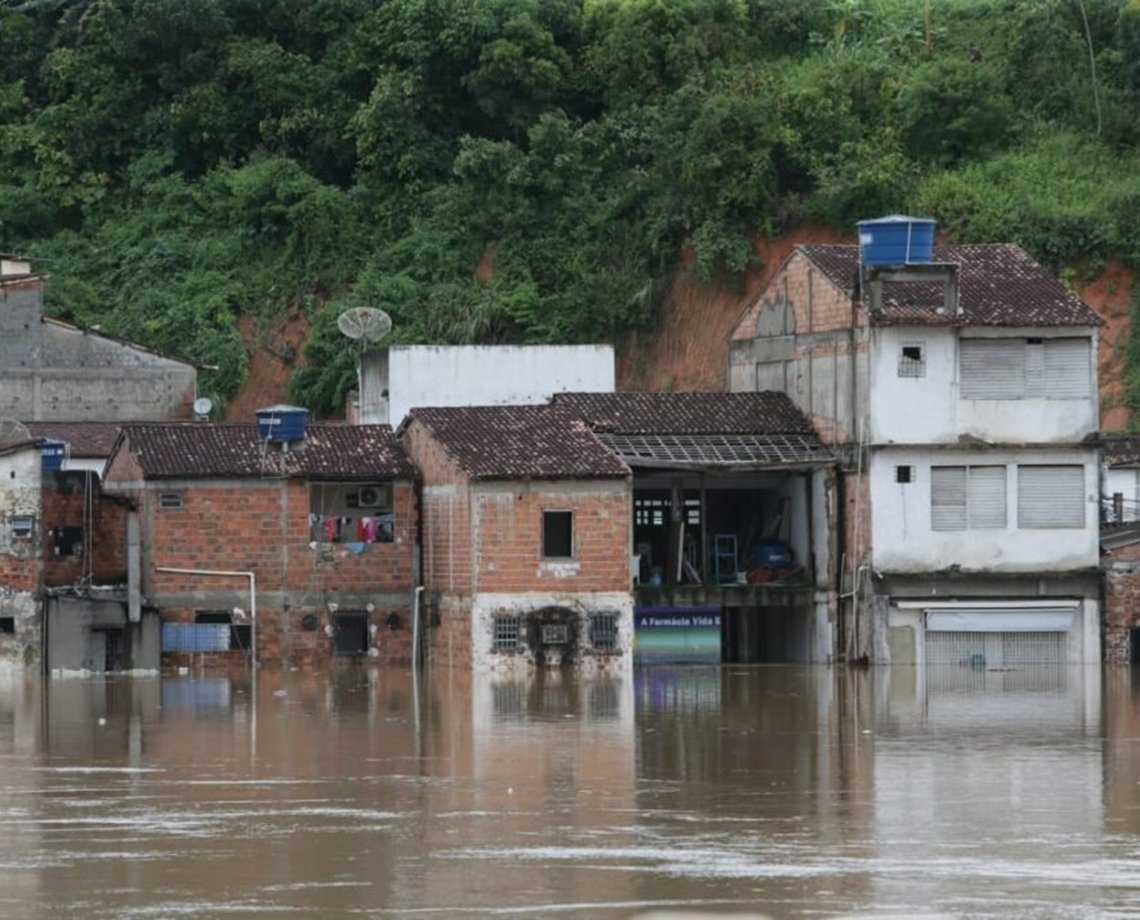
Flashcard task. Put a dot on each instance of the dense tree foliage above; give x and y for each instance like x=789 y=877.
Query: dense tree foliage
x=531 y=170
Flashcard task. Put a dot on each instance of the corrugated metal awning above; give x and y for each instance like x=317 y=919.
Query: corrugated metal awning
x=732 y=451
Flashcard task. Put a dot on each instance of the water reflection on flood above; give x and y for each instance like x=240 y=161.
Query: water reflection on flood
x=779 y=790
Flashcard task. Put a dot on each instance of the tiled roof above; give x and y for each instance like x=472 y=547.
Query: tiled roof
x=687 y=413
x=999 y=285
x=84 y=439
x=1121 y=450
x=202 y=450
x=520 y=442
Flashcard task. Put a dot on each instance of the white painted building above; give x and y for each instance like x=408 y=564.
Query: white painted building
x=398 y=378
x=965 y=392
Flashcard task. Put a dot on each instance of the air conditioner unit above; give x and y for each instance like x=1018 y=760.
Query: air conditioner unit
x=371 y=497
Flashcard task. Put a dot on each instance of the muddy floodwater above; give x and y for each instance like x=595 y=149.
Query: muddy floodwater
x=781 y=791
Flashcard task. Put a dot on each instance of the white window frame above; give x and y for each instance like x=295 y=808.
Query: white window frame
x=909 y=366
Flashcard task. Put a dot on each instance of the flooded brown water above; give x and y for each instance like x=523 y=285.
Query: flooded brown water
x=779 y=791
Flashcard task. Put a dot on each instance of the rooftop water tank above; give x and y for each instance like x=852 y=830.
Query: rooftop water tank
x=52 y=453
x=896 y=240
x=281 y=424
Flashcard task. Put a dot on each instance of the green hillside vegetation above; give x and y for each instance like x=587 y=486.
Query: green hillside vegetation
x=511 y=171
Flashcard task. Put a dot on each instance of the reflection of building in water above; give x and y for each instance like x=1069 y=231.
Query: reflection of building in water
x=21 y=721
x=1122 y=750
x=970 y=760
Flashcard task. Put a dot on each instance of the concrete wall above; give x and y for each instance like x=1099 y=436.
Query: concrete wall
x=803 y=337
x=904 y=541
x=929 y=409
x=20 y=559
x=477 y=375
x=54 y=372
x=75 y=634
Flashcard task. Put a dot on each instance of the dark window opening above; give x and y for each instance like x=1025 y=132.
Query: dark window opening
x=507 y=634
x=351 y=513
x=558 y=534
x=603 y=631
x=912 y=361
x=1135 y=636
x=904 y=474
x=8 y=625
x=22 y=526
x=170 y=501
x=67 y=541
x=351 y=632
x=240 y=633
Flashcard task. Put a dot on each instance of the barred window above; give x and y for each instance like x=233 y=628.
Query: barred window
x=507 y=634
x=603 y=631
x=912 y=359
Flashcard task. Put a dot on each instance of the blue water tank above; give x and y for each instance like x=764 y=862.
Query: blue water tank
x=52 y=453
x=281 y=424
x=896 y=240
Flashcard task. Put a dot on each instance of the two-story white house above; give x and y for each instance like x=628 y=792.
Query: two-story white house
x=962 y=385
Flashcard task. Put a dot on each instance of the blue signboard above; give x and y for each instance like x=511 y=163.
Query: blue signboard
x=670 y=635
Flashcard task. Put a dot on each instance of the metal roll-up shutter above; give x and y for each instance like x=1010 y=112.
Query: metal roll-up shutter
x=1050 y=496
x=1067 y=368
x=986 y=500
x=992 y=368
x=948 y=498
x=999 y=637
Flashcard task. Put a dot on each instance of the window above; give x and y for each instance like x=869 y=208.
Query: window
x=507 y=633
x=558 y=534
x=169 y=501
x=351 y=513
x=7 y=625
x=603 y=631
x=1025 y=368
x=967 y=497
x=240 y=633
x=1050 y=497
x=904 y=474
x=22 y=526
x=912 y=359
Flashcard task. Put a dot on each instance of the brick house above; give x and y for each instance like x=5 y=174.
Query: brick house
x=959 y=387
x=306 y=550
x=526 y=538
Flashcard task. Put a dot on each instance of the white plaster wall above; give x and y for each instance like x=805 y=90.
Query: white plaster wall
x=422 y=376
x=903 y=541
x=20 y=494
x=486 y=605
x=926 y=410
x=1127 y=483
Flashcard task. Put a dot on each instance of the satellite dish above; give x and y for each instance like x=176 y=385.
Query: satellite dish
x=13 y=432
x=364 y=324
x=202 y=407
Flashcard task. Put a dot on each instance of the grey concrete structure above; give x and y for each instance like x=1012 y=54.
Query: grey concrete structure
x=51 y=371
x=93 y=633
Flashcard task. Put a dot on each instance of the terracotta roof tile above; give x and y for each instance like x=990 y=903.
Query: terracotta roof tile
x=687 y=413
x=84 y=439
x=999 y=285
x=202 y=450
x=520 y=442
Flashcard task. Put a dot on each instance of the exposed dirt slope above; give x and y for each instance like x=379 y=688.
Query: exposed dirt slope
x=689 y=349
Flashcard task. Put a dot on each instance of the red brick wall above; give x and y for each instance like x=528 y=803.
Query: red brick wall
x=1121 y=602
x=447 y=556
x=63 y=506
x=508 y=519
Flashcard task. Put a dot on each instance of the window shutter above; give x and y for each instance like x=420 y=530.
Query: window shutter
x=1050 y=496
x=948 y=498
x=1067 y=368
x=992 y=368
x=986 y=497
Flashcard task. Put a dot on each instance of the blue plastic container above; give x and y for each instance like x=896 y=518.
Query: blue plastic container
x=774 y=553
x=51 y=455
x=282 y=424
x=896 y=240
